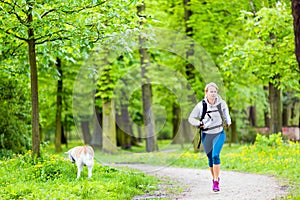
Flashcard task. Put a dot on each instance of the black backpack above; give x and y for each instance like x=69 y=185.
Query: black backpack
x=204 y=112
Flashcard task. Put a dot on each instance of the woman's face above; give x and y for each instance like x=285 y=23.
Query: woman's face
x=211 y=92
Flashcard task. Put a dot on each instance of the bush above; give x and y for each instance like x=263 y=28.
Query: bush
x=272 y=140
x=249 y=136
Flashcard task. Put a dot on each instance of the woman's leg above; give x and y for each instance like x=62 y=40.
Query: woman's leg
x=212 y=171
x=216 y=172
x=207 y=141
x=218 y=144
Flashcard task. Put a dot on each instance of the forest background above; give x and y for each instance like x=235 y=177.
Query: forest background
x=107 y=71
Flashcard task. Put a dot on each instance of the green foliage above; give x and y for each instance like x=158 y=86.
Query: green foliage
x=273 y=140
x=249 y=136
x=265 y=54
x=211 y=32
x=107 y=80
x=63 y=29
x=269 y=52
x=53 y=177
x=14 y=112
x=71 y=30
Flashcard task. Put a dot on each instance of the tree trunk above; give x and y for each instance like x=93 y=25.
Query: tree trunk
x=109 y=128
x=148 y=117
x=64 y=139
x=266 y=111
x=189 y=68
x=140 y=133
x=66 y=129
x=252 y=116
x=36 y=139
x=188 y=135
x=234 y=134
x=275 y=108
x=97 y=133
x=295 y=113
x=187 y=15
x=151 y=141
x=286 y=113
x=68 y=123
x=233 y=127
x=86 y=133
x=296 y=22
x=58 y=131
x=127 y=132
x=177 y=135
x=122 y=139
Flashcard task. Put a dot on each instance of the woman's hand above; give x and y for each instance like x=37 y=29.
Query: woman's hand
x=201 y=125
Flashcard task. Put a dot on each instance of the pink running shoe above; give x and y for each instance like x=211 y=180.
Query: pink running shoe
x=216 y=186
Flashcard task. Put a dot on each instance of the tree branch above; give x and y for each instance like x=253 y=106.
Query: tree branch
x=13 y=51
x=48 y=12
x=13 y=10
x=71 y=11
x=49 y=35
x=85 y=8
x=14 y=35
x=53 y=39
x=6 y=3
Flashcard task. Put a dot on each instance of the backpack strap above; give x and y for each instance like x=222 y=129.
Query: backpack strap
x=221 y=114
x=204 y=109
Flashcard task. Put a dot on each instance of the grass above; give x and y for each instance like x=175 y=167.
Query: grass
x=53 y=178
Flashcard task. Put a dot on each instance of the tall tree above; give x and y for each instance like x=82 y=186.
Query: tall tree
x=58 y=130
x=125 y=131
x=266 y=55
x=36 y=23
x=33 y=80
x=148 y=116
x=109 y=134
x=97 y=130
x=296 y=23
x=189 y=68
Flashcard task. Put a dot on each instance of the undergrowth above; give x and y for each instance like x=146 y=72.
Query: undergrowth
x=52 y=177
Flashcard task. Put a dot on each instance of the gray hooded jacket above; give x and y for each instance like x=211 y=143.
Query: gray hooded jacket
x=213 y=120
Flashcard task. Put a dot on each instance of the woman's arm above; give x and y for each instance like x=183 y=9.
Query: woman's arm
x=195 y=115
x=226 y=114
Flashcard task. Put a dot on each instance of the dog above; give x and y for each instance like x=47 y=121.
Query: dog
x=82 y=156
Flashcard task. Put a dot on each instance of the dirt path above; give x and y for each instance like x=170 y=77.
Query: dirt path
x=197 y=183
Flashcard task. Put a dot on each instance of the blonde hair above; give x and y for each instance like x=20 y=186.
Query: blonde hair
x=211 y=84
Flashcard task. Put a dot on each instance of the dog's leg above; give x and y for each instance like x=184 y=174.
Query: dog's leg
x=90 y=168
x=79 y=167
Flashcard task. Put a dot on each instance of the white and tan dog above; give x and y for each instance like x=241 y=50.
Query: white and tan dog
x=82 y=155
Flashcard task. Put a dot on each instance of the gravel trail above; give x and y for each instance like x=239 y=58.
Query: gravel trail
x=197 y=184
